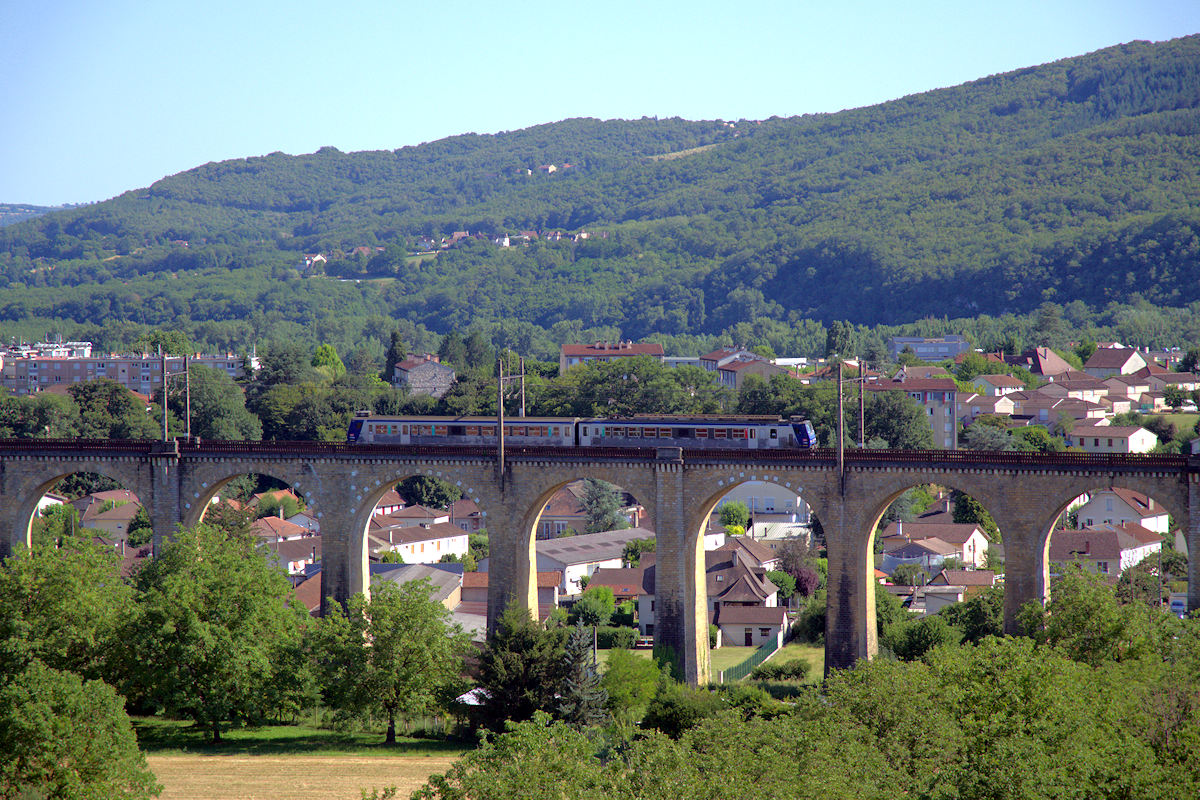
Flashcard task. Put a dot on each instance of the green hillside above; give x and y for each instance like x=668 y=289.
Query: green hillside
x=1077 y=180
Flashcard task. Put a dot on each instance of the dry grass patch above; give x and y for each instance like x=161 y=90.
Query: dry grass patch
x=291 y=777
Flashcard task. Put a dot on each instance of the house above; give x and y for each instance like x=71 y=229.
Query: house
x=1116 y=506
x=564 y=511
x=111 y=511
x=421 y=544
x=973 y=581
x=1079 y=388
x=998 y=385
x=929 y=554
x=1040 y=361
x=733 y=577
x=294 y=556
x=411 y=516
x=423 y=374
x=977 y=405
x=928 y=348
x=576 y=557
x=625 y=582
x=445 y=585
x=572 y=355
x=1109 y=361
x=274 y=529
x=749 y=626
x=465 y=514
x=734 y=373
x=1111 y=439
x=390 y=503
x=475 y=593
x=968 y=539
x=1104 y=549
x=939 y=398
x=774 y=510
x=1185 y=381
x=306 y=520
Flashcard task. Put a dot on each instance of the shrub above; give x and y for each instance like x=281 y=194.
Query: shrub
x=678 y=707
x=796 y=670
x=609 y=637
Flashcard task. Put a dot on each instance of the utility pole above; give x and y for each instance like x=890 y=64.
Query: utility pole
x=862 y=406
x=521 y=363
x=841 y=433
x=187 y=395
x=163 y=356
x=500 y=420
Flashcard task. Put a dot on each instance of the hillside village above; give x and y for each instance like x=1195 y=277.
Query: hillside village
x=931 y=559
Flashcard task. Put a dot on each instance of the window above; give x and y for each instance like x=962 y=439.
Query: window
x=764 y=631
x=651 y=605
x=1110 y=442
x=769 y=504
x=1108 y=505
x=1102 y=566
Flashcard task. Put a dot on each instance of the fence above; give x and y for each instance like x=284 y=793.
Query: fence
x=739 y=671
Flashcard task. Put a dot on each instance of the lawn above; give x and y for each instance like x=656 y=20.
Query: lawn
x=1182 y=422
x=285 y=762
x=726 y=657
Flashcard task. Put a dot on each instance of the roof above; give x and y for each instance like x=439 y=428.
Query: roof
x=479 y=580
x=613 y=349
x=952 y=532
x=270 y=527
x=308 y=593
x=1001 y=380
x=278 y=494
x=930 y=544
x=417 y=512
x=624 y=582
x=444 y=583
x=308 y=547
x=463 y=508
x=917 y=385
x=1096 y=543
x=1113 y=431
x=590 y=547
x=965 y=577
x=1137 y=501
x=418 y=533
x=757 y=550
x=751 y=615
x=1110 y=358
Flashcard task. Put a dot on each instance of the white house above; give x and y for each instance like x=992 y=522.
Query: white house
x=1111 y=439
x=1119 y=506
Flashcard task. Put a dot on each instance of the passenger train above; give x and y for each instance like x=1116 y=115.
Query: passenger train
x=706 y=431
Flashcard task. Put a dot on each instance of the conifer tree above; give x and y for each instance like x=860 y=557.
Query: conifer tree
x=581 y=698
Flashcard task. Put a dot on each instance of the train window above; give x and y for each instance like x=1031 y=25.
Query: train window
x=404 y=429
x=664 y=433
x=774 y=433
x=441 y=430
x=519 y=430
x=633 y=433
x=701 y=433
x=554 y=431
x=754 y=433
x=720 y=433
x=737 y=433
x=585 y=433
x=487 y=430
x=618 y=433
x=472 y=430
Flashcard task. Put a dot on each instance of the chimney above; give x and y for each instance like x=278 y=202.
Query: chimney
x=735 y=556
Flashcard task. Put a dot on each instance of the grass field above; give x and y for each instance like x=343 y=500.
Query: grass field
x=285 y=762
x=726 y=657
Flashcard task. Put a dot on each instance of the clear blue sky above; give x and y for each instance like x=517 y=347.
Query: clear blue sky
x=99 y=98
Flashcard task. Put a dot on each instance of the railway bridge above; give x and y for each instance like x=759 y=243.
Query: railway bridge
x=1024 y=492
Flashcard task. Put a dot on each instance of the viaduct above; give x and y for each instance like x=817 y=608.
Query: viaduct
x=1024 y=492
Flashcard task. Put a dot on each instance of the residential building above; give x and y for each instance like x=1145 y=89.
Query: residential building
x=939 y=398
x=1116 y=506
x=27 y=371
x=928 y=348
x=564 y=511
x=749 y=626
x=465 y=514
x=571 y=355
x=475 y=593
x=1111 y=439
x=1040 y=361
x=968 y=539
x=1109 y=361
x=274 y=529
x=998 y=385
x=1104 y=549
x=973 y=581
x=423 y=374
x=421 y=544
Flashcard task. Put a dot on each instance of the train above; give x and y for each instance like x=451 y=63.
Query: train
x=700 y=431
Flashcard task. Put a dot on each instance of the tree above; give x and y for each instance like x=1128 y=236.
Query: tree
x=519 y=669
x=736 y=513
x=173 y=342
x=631 y=554
x=1174 y=397
x=141 y=531
x=968 y=510
x=808 y=580
x=841 y=340
x=979 y=617
x=57 y=523
x=910 y=575
x=594 y=607
x=914 y=638
x=397 y=351
x=897 y=419
x=108 y=410
x=631 y=683
x=213 y=634
x=785 y=582
x=218 y=406
x=62 y=605
x=602 y=504
x=986 y=437
x=425 y=490
x=582 y=697
x=326 y=360
x=397 y=652
x=65 y=737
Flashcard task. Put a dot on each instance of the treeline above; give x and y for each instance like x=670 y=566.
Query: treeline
x=1072 y=181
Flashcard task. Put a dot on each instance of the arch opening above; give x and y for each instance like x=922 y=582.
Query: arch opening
x=90 y=506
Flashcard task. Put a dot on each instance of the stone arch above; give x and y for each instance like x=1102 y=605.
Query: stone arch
x=127 y=472
x=208 y=483
x=368 y=495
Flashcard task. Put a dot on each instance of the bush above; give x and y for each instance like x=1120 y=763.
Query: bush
x=713 y=633
x=609 y=637
x=810 y=623
x=796 y=670
x=678 y=707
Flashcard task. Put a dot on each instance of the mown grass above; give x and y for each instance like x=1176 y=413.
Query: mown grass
x=158 y=736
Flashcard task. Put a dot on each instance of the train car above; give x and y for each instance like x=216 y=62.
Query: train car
x=433 y=430
x=703 y=431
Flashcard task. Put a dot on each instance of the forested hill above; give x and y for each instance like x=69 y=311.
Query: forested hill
x=1077 y=180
